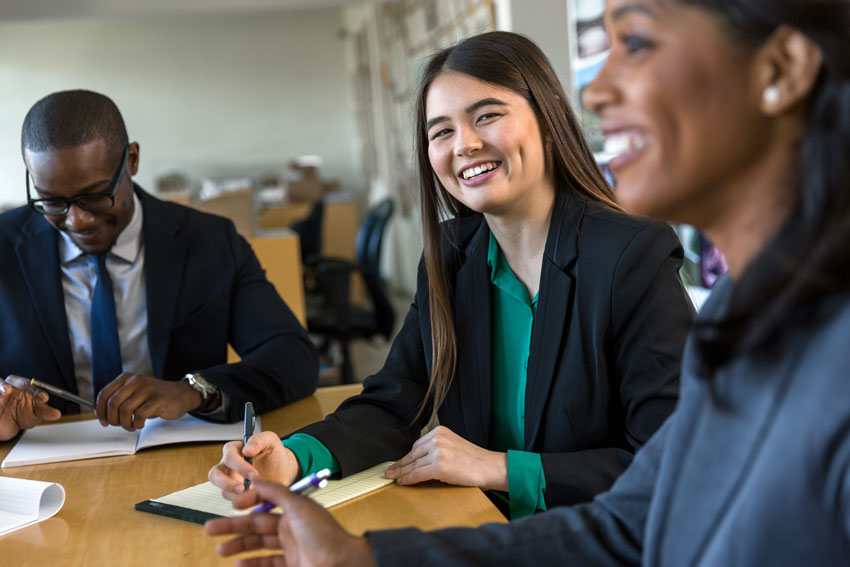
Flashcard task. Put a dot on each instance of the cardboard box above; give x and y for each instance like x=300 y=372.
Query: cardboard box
x=305 y=190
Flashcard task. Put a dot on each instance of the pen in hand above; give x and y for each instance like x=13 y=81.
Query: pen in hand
x=247 y=432
x=305 y=487
x=60 y=393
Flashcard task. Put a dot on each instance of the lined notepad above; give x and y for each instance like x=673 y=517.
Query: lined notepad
x=201 y=502
x=24 y=502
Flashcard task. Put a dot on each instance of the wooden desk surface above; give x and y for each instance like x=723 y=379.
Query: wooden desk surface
x=98 y=525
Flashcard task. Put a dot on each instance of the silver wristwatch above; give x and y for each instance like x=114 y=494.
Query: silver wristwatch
x=200 y=384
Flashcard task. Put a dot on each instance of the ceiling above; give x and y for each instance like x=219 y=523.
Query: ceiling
x=61 y=9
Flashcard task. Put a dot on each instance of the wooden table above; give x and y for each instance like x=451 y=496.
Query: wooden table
x=98 y=525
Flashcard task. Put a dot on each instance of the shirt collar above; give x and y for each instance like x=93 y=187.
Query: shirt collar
x=126 y=247
x=502 y=276
x=495 y=260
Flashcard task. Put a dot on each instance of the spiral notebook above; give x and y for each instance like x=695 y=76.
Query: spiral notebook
x=204 y=501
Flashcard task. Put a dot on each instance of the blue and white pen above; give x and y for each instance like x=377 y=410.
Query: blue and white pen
x=247 y=431
x=305 y=487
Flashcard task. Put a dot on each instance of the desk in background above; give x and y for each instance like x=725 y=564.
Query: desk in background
x=340 y=223
x=280 y=257
x=98 y=525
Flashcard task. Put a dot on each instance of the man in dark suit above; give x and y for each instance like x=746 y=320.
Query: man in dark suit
x=127 y=300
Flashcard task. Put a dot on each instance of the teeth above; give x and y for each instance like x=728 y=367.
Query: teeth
x=479 y=169
x=624 y=142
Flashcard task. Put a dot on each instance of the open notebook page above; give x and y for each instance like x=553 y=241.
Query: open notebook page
x=189 y=428
x=24 y=502
x=208 y=499
x=52 y=443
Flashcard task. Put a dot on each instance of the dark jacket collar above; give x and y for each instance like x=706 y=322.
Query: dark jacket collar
x=473 y=317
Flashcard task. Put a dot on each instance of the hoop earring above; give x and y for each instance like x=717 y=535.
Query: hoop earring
x=771 y=95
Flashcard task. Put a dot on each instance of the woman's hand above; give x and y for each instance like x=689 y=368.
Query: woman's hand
x=446 y=456
x=306 y=532
x=271 y=460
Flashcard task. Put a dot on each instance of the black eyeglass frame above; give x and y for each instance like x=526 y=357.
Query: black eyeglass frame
x=80 y=200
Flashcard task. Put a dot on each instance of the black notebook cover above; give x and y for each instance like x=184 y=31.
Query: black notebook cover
x=177 y=512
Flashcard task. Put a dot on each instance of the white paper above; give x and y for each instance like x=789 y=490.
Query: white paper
x=24 y=502
x=189 y=428
x=53 y=443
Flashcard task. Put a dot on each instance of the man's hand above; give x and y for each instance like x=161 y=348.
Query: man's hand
x=444 y=455
x=22 y=406
x=271 y=460
x=306 y=533
x=131 y=399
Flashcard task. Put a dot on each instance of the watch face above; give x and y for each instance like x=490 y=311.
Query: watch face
x=200 y=385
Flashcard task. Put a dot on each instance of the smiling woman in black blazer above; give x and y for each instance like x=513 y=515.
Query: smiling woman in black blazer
x=547 y=327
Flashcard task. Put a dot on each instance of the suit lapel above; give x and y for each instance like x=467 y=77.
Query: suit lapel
x=165 y=255
x=44 y=281
x=554 y=303
x=473 y=338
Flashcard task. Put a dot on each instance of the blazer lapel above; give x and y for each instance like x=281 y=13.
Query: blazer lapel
x=472 y=310
x=554 y=304
x=38 y=256
x=165 y=255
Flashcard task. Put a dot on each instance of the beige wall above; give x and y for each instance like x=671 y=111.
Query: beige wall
x=236 y=93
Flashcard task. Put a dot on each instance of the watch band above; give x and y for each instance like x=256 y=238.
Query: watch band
x=201 y=385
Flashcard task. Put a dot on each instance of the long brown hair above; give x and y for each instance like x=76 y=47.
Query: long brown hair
x=514 y=62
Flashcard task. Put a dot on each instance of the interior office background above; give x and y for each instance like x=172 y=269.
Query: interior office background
x=240 y=87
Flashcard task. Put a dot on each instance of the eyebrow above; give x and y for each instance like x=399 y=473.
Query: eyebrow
x=625 y=9
x=469 y=109
x=90 y=188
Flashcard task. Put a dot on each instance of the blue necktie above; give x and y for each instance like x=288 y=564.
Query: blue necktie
x=105 y=348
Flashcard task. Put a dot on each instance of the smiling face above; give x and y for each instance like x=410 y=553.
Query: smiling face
x=680 y=109
x=69 y=172
x=485 y=145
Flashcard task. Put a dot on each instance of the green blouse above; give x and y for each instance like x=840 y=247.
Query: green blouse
x=512 y=320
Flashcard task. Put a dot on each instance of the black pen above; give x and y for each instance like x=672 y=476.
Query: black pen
x=247 y=432
x=60 y=393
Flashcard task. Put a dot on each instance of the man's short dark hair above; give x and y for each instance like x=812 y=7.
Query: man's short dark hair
x=69 y=119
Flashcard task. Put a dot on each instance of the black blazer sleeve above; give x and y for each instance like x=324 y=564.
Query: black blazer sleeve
x=650 y=314
x=278 y=362
x=380 y=423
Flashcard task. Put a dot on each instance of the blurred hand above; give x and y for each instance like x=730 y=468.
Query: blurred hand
x=306 y=533
x=131 y=399
x=444 y=455
x=271 y=460
x=22 y=406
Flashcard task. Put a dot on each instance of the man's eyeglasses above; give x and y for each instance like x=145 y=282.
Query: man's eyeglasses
x=92 y=202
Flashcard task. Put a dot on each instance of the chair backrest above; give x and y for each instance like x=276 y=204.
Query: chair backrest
x=368 y=246
x=309 y=230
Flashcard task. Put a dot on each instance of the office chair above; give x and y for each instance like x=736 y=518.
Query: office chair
x=309 y=230
x=330 y=313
